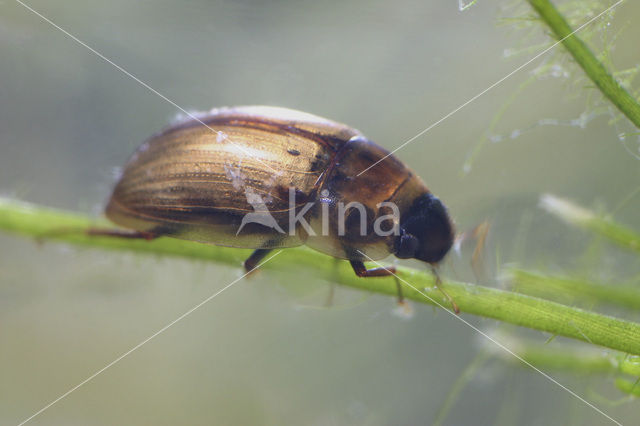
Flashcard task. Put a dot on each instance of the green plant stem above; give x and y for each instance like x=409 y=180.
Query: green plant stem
x=578 y=361
x=565 y=359
x=585 y=58
x=459 y=385
x=566 y=289
x=510 y=307
x=630 y=387
x=578 y=216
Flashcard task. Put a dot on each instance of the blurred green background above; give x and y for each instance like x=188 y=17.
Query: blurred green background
x=266 y=351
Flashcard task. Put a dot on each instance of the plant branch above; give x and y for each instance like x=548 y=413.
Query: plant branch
x=568 y=289
x=628 y=386
x=510 y=307
x=565 y=359
x=578 y=216
x=578 y=361
x=585 y=58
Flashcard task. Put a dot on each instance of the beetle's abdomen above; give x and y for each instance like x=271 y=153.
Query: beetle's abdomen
x=195 y=183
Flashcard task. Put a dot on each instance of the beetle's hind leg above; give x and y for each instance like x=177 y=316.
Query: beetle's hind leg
x=332 y=284
x=155 y=232
x=363 y=272
x=123 y=233
x=100 y=232
x=252 y=261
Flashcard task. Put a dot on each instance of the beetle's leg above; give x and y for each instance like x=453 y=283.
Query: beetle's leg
x=122 y=233
x=479 y=234
x=330 y=295
x=332 y=284
x=252 y=261
x=401 y=300
x=107 y=232
x=454 y=305
x=362 y=271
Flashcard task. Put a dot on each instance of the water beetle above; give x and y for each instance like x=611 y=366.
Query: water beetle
x=242 y=184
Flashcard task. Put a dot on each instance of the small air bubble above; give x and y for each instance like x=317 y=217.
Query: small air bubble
x=457 y=246
x=515 y=133
x=622 y=136
x=580 y=121
x=324 y=196
x=495 y=138
x=548 y=122
x=184 y=116
x=116 y=173
x=403 y=311
x=221 y=137
x=558 y=71
x=235 y=175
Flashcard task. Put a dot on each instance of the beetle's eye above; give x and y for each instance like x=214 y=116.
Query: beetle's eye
x=407 y=246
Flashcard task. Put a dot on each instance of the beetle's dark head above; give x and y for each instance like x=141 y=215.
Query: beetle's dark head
x=426 y=231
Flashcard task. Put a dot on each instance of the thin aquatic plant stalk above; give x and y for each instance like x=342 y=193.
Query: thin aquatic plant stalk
x=578 y=361
x=586 y=59
x=576 y=215
x=46 y=224
x=566 y=288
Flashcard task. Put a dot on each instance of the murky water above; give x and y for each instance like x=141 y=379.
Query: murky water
x=261 y=353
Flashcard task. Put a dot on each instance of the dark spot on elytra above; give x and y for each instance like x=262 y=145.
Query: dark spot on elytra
x=293 y=152
x=315 y=166
x=301 y=197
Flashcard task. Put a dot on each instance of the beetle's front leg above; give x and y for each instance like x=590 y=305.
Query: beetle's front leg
x=362 y=271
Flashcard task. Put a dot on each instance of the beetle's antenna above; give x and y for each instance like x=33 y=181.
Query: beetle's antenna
x=479 y=234
x=454 y=305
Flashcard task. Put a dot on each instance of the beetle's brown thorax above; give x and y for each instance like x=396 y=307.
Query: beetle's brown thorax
x=388 y=181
